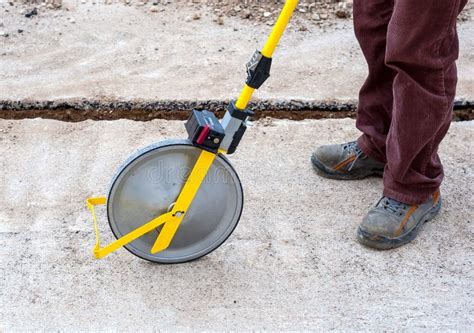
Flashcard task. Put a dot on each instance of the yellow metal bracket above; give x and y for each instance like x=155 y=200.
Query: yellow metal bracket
x=184 y=200
x=170 y=220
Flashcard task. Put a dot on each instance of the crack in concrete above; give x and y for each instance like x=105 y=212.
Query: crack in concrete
x=79 y=110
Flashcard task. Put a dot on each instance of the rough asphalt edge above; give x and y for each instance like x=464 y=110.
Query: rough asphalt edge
x=77 y=110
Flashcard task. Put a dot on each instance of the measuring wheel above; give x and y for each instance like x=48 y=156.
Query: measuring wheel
x=148 y=184
x=178 y=200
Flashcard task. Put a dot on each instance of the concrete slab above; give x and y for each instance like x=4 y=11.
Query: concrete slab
x=125 y=53
x=292 y=263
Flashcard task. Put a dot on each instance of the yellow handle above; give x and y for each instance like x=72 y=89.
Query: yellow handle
x=269 y=47
x=279 y=28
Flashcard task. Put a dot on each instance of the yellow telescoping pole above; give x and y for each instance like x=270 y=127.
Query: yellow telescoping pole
x=269 y=47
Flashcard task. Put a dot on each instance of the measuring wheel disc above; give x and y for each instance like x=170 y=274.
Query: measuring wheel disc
x=148 y=184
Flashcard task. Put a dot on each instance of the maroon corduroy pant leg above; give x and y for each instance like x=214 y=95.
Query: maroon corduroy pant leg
x=406 y=103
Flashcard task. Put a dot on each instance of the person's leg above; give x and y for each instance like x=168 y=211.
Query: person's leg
x=374 y=114
x=366 y=157
x=422 y=46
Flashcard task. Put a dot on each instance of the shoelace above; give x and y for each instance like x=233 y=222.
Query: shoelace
x=391 y=205
x=353 y=147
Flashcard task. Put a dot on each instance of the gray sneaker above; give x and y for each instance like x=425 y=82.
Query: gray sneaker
x=345 y=161
x=392 y=223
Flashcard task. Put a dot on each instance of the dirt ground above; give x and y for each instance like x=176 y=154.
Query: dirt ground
x=291 y=264
x=116 y=52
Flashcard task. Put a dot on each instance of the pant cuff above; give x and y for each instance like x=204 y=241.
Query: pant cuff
x=408 y=198
x=364 y=144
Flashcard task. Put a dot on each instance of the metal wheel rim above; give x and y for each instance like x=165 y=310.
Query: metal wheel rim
x=148 y=183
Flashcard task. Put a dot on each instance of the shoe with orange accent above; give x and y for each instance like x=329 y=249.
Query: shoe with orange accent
x=392 y=223
x=345 y=161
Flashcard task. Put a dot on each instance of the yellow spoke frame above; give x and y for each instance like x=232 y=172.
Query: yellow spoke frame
x=171 y=220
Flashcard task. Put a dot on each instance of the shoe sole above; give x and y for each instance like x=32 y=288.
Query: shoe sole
x=385 y=243
x=323 y=171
